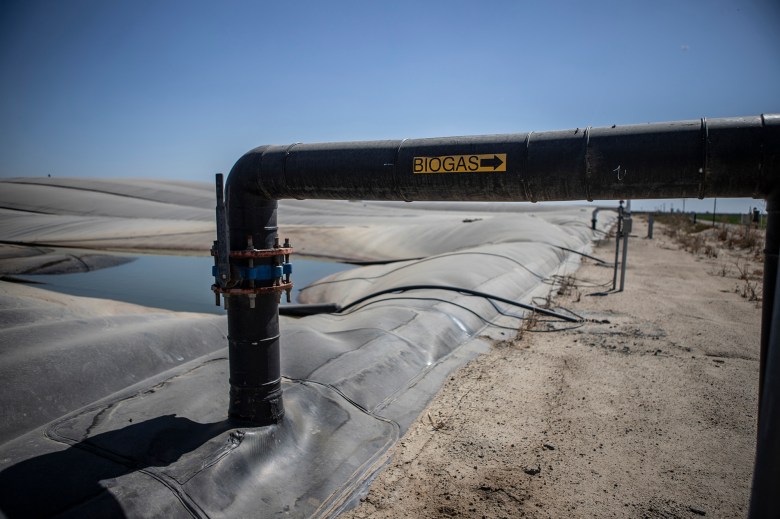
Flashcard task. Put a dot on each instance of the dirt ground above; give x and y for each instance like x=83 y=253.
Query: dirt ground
x=647 y=411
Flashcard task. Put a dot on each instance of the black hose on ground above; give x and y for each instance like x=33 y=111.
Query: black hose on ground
x=594 y=258
x=418 y=261
x=467 y=291
x=439 y=300
x=311 y=309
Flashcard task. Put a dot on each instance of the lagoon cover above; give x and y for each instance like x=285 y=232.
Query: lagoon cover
x=117 y=409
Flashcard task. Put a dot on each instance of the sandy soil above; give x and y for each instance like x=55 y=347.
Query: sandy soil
x=649 y=411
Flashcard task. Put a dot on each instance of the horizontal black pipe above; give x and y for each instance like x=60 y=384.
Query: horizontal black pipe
x=717 y=157
x=728 y=157
x=310 y=309
x=737 y=156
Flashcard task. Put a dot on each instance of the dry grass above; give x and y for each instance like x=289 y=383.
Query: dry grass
x=530 y=321
x=701 y=238
x=743 y=238
x=750 y=291
x=740 y=244
x=567 y=286
x=723 y=271
x=750 y=286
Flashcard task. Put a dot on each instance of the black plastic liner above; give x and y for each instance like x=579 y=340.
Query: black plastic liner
x=352 y=384
x=169 y=451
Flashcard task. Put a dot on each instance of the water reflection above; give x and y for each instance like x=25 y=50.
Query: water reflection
x=181 y=283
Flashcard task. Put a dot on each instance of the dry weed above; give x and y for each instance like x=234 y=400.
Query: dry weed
x=529 y=324
x=438 y=424
x=750 y=287
x=567 y=286
x=724 y=240
x=730 y=237
x=742 y=270
x=750 y=290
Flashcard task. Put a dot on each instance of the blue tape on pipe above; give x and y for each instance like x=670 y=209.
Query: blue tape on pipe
x=260 y=273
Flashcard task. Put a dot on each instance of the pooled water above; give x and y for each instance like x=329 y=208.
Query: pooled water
x=180 y=283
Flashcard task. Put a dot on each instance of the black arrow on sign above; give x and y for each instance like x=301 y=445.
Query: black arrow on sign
x=495 y=162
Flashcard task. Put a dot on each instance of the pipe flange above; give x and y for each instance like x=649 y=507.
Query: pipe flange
x=258 y=253
x=281 y=287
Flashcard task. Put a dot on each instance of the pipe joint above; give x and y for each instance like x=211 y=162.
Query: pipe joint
x=257 y=405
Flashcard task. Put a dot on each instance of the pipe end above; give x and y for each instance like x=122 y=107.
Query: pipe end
x=258 y=406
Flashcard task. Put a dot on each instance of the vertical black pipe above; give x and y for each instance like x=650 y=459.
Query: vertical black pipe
x=253 y=327
x=766 y=476
x=626 y=230
x=650 y=223
x=222 y=244
x=618 y=235
x=771 y=251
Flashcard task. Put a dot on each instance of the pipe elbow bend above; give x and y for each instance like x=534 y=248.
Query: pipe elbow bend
x=245 y=178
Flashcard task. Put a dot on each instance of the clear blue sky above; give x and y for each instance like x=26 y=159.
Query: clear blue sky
x=181 y=89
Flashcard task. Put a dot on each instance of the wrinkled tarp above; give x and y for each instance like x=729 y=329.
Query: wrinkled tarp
x=60 y=352
x=126 y=214
x=20 y=259
x=353 y=382
x=107 y=214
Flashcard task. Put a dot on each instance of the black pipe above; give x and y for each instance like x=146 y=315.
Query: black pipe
x=253 y=324
x=733 y=157
x=766 y=476
x=594 y=217
x=627 y=225
x=618 y=236
x=771 y=252
x=650 y=223
x=467 y=291
x=686 y=159
x=309 y=309
x=594 y=258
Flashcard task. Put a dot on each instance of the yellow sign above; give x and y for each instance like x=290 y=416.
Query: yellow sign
x=460 y=163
